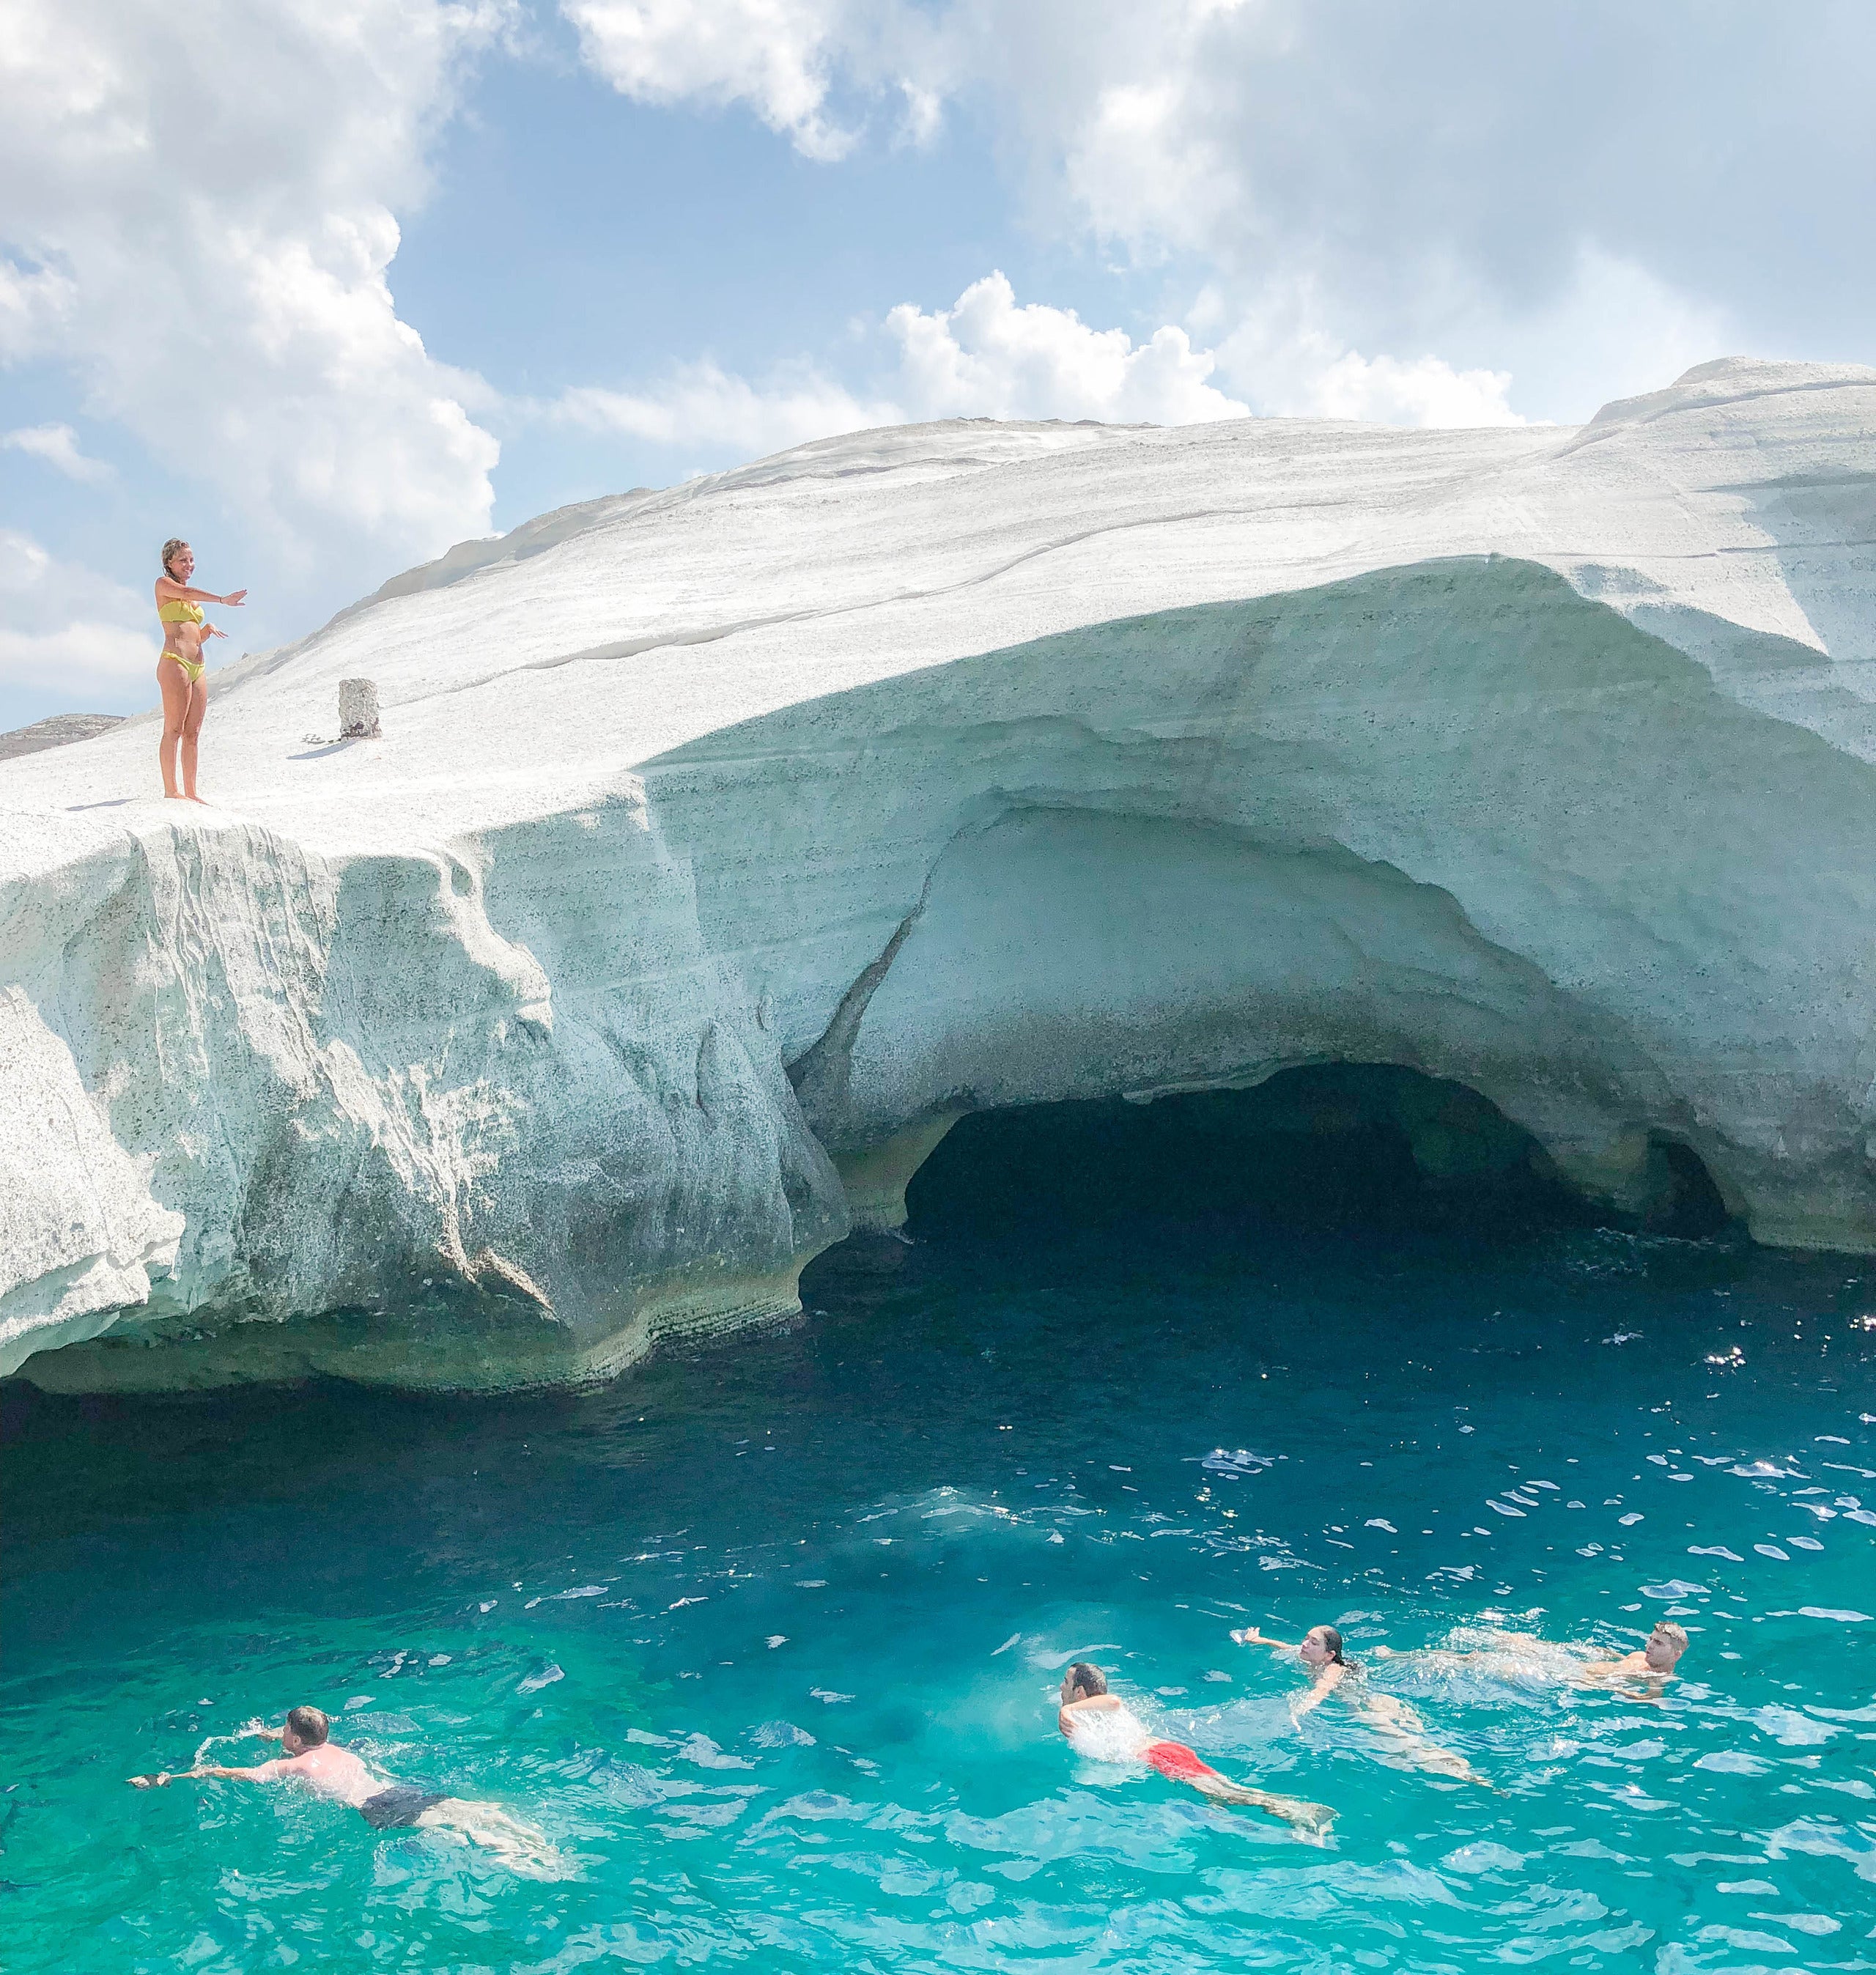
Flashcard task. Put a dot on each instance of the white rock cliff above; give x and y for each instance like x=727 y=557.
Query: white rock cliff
x=724 y=845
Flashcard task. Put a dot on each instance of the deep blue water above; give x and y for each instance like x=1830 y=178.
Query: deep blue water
x=767 y=1639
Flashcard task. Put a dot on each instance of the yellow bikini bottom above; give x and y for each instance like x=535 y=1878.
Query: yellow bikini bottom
x=192 y=668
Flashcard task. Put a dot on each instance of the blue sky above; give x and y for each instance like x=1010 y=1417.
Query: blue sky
x=327 y=289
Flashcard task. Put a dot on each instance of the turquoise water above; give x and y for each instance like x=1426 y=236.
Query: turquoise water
x=767 y=1639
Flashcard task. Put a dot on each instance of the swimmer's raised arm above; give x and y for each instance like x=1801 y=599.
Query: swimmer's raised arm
x=1249 y=1636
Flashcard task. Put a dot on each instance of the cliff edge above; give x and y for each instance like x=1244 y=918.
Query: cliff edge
x=725 y=844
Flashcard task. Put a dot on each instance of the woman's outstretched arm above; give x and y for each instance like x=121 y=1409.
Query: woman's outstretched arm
x=171 y=591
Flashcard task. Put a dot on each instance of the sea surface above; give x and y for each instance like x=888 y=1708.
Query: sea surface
x=767 y=1639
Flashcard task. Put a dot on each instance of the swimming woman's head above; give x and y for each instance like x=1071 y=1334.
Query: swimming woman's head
x=1082 y=1682
x=1321 y=1646
x=173 y=549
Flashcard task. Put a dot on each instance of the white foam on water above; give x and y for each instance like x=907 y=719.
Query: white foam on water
x=1787 y=1727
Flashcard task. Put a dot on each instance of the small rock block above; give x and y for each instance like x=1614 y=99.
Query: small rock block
x=358 y=709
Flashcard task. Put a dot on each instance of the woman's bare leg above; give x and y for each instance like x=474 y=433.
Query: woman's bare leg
x=173 y=683
x=192 y=730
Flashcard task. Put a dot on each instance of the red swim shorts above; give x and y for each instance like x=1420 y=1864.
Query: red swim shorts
x=1176 y=1760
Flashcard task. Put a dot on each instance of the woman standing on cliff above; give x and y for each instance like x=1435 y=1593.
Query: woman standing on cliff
x=179 y=669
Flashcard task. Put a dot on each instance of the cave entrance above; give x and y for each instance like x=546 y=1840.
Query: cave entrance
x=1334 y=1146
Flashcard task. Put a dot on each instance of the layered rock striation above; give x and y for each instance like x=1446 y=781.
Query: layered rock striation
x=724 y=846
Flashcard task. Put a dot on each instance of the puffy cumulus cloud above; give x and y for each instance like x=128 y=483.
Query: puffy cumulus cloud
x=1455 y=177
x=63 y=624
x=781 y=58
x=197 y=216
x=1426 y=392
x=773 y=55
x=57 y=445
x=987 y=356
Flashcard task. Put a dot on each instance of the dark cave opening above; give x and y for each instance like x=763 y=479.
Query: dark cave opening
x=1343 y=1145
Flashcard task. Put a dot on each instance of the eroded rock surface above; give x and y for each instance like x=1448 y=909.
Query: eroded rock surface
x=723 y=846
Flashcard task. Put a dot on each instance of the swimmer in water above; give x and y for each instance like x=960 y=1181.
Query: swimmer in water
x=1405 y=1743
x=314 y=1762
x=1643 y=1675
x=1650 y=1669
x=1103 y=1726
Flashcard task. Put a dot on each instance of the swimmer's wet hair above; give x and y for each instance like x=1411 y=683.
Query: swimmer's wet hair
x=1333 y=1639
x=168 y=555
x=1669 y=1630
x=309 y=1724
x=1087 y=1681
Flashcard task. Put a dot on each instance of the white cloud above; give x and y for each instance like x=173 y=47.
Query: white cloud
x=57 y=445
x=781 y=58
x=986 y=356
x=770 y=54
x=68 y=626
x=199 y=225
x=1453 y=180
x=703 y=407
x=34 y=302
x=1426 y=392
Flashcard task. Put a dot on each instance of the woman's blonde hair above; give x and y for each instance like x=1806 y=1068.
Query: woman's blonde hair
x=168 y=550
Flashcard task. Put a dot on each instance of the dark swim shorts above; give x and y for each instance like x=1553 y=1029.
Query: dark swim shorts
x=401 y=1804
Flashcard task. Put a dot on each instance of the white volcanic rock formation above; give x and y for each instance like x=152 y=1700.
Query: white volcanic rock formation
x=725 y=844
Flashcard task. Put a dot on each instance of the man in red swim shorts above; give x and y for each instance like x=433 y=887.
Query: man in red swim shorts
x=1101 y=1726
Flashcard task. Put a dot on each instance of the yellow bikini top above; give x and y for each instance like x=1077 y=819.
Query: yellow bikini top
x=179 y=613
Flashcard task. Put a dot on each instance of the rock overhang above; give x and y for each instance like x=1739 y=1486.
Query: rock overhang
x=1528 y=762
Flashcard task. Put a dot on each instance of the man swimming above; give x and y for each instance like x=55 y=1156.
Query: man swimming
x=1102 y=1726
x=313 y=1761
x=1529 y=1661
x=1405 y=1743
x=1651 y=1669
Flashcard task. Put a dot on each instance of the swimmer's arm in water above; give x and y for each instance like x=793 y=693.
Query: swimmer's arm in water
x=1602 y=1673
x=1645 y=1683
x=262 y=1772
x=1325 y=1684
x=1249 y=1636
x=1092 y=1704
